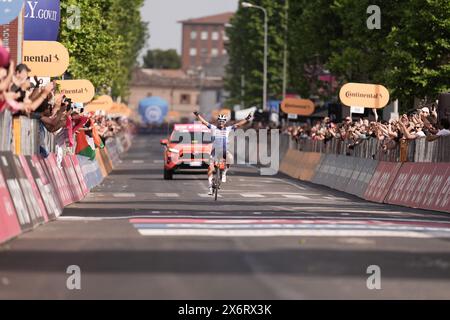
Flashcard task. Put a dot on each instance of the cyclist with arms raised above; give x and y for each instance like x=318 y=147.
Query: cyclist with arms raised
x=220 y=135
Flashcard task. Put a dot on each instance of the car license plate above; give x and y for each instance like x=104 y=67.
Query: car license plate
x=195 y=164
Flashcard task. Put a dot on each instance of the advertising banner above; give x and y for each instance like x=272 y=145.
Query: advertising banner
x=7 y=165
x=364 y=95
x=301 y=107
x=48 y=195
x=71 y=176
x=42 y=18
x=36 y=194
x=11 y=39
x=381 y=181
x=101 y=103
x=45 y=58
x=81 y=91
x=59 y=181
x=422 y=185
x=9 y=225
x=153 y=110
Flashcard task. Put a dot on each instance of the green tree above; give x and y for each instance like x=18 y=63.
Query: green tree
x=312 y=27
x=419 y=51
x=162 y=59
x=246 y=51
x=105 y=46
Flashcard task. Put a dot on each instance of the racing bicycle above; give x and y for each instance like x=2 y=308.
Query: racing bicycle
x=219 y=168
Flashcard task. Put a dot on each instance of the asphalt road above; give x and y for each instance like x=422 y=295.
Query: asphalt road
x=137 y=236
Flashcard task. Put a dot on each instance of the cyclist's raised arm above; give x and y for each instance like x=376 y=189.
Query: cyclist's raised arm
x=243 y=122
x=202 y=120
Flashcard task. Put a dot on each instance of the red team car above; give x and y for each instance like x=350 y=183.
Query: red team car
x=188 y=148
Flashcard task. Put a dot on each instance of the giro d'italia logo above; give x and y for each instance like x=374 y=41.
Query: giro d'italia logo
x=153 y=114
x=9 y=10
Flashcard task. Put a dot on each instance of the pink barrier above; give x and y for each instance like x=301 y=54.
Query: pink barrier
x=381 y=181
x=59 y=180
x=44 y=175
x=35 y=191
x=422 y=185
x=9 y=225
x=72 y=179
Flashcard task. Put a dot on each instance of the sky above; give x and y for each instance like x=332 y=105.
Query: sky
x=163 y=17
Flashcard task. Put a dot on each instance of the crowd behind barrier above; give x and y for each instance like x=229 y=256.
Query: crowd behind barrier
x=419 y=150
x=52 y=152
x=418 y=136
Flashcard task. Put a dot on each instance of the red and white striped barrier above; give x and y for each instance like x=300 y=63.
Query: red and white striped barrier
x=381 y=181
x=422 y=185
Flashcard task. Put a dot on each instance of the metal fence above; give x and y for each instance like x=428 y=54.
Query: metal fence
x=23 y=135
x=418 y=150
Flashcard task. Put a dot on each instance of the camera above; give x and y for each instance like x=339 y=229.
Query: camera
x=67 y=102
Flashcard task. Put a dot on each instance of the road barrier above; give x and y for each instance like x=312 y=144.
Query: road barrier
x=381 y=181
x=34 y=190
x=9 y=225
x=422 y=185
x=417 y=185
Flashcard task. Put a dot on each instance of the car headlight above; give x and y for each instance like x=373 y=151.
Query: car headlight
x=174 y=150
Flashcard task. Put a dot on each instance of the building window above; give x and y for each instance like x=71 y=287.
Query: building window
x=204 y=35
x=224 y=51
x=204 y=52
x=215 y=35
x=224 y=36
x=193 y=52
x=214 y=52
x=185 y=99
x=193 y=35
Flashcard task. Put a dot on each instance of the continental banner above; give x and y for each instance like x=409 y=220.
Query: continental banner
x=80 y=91
x=300 y=107
x=45 y=58
x=373 y=96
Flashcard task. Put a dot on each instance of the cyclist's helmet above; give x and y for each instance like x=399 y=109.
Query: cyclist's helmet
x=222 y=118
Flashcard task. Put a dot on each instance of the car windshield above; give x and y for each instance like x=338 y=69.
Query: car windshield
x=190 y=137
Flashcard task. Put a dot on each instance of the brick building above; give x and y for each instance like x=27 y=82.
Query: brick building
x=203 y=40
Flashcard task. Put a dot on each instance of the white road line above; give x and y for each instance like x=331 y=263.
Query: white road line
x=167 y=195
x=158 y=161
x=336 y=198
x=138 y=161
x=251 y=195
x=280 y=232
x=124 y=195
x=296 y=196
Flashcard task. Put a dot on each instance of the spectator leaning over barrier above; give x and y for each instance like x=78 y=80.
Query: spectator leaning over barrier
x=443 y=132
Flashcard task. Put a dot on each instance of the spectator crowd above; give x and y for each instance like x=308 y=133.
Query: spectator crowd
x=74 y=129
x=420 y=124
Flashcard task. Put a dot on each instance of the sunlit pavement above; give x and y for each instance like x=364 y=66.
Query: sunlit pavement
x=267 y=237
